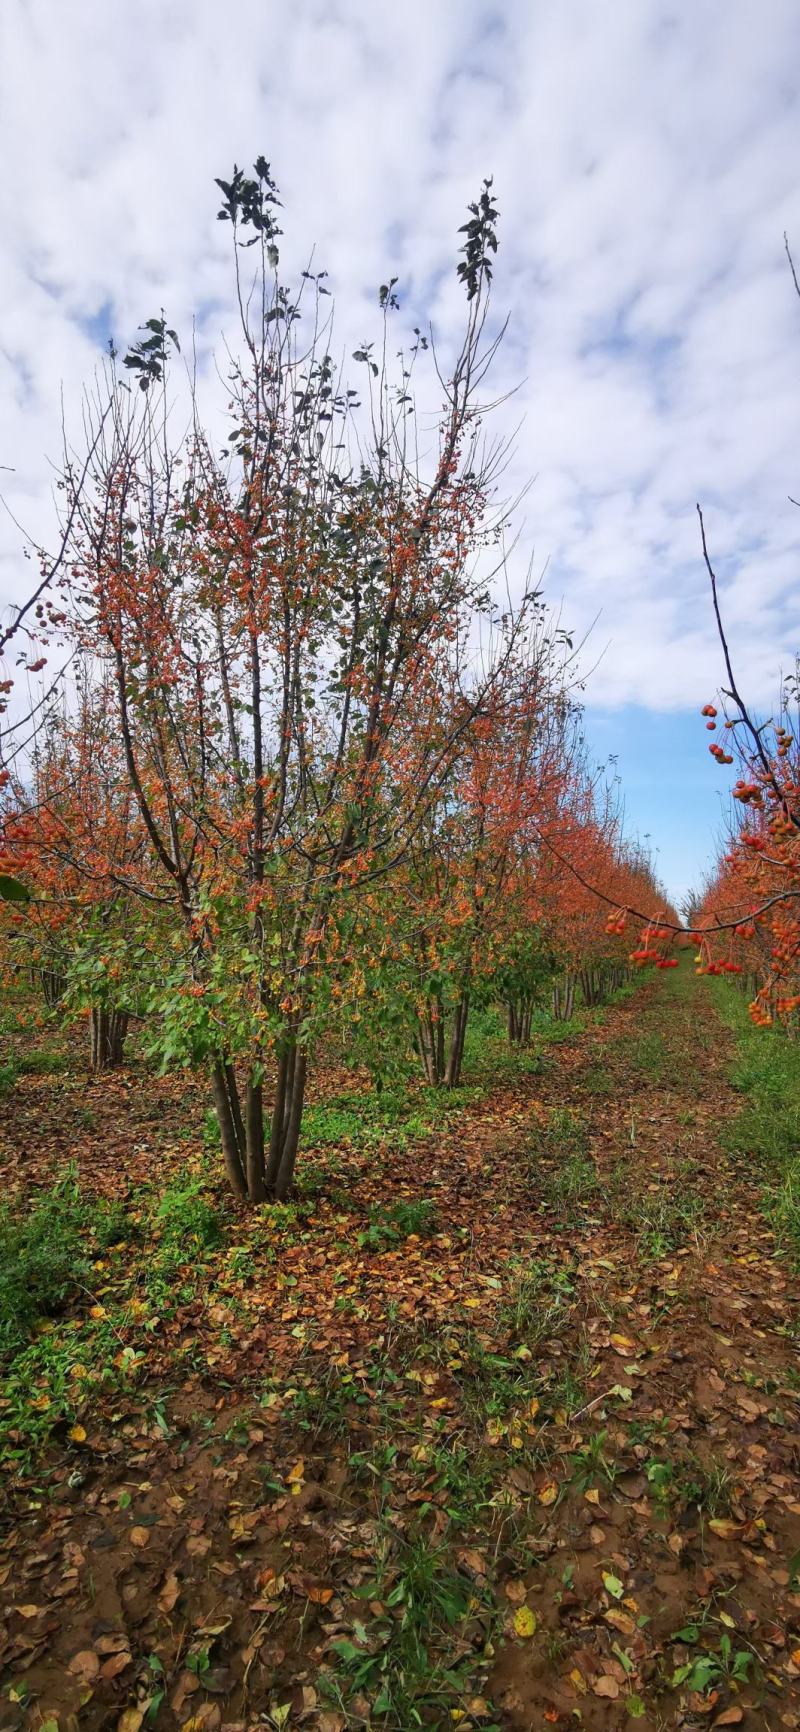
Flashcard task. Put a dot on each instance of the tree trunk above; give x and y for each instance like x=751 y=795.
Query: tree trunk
x=520 y=1019
x=229 y=1129
x=430 y=1043
x=108 y=1031
x=287 y=1113
x=54 y=986
x=254 y=1172
x=455 y=1058
x=442 y=1058
x=254 y=1142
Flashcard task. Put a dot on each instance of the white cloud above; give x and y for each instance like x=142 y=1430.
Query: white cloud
x=645 y=161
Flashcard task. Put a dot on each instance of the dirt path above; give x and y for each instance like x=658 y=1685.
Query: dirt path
x=695 y=1509
x=539 y=1465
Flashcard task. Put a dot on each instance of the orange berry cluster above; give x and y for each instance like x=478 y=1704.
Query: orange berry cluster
x=717 y=751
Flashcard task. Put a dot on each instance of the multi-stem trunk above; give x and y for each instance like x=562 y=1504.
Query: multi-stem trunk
x=107 y=1034
x=54 y=986
x=564 y=999
x=257 y=1170
x=520 y=1018
x=440 y=1047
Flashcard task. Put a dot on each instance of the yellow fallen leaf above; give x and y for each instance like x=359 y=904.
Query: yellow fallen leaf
x=140 y=1537
x=548 y=1493
x=78 y=1434
x=524 y=1621
x=621 y=1621
x=296 y=1473
x=131 y=1719
x=592 y=1495
x=622 y=1344
x=533 y=1407
x=725 y=1529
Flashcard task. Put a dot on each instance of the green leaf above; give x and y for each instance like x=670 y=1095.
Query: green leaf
x=347 y=1650
x=635 y=1707
x=11 y=890
x=613 y=1585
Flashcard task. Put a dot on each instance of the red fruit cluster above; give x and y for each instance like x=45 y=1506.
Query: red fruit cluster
x=720 y=968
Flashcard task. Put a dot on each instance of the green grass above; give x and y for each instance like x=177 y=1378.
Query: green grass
x=766 y=1072
x=389 y=1226
x=43 y=1260
x=390 y=1116
x=414 y=1658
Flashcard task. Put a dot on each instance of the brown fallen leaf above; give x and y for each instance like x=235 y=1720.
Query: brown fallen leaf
x=84 y=1665
x=729 y=1716
x=473 y=1561
x=113 y=1643
x=725 y=1529
x=188 y=1685
x=170 y=1589
x=139 y=1537
x=207 y=1719
x=116 y=1664
x=606 y=1686
x=632 y=1485
x=515 y=1592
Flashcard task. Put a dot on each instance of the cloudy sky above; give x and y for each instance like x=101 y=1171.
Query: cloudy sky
x=645 y=161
